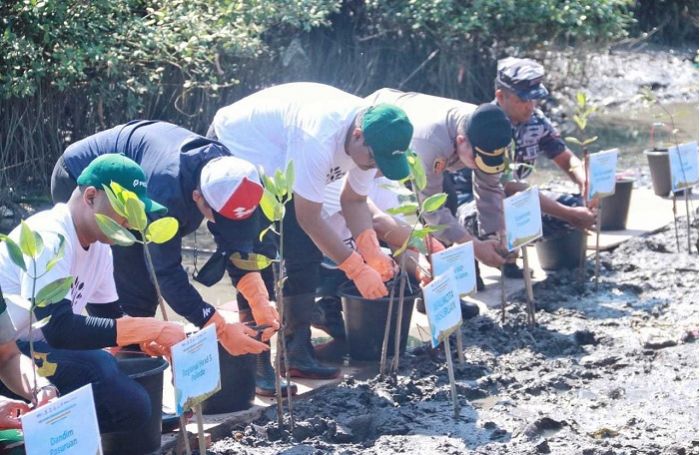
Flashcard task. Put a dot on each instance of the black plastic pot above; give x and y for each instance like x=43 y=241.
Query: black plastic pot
x=237 y=384
x=147 y=371
x=614 y=209
x=561 y=252
x=660 y=170
x=365 y=320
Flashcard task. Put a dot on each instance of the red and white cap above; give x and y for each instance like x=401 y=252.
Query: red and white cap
x=231 y=186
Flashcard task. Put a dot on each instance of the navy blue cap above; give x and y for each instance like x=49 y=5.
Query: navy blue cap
x=522 y=76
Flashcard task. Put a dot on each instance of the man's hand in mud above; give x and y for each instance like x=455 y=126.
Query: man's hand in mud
x=489 y=252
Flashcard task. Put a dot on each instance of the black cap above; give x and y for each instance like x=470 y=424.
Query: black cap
x=489 y=132
x=522 y=76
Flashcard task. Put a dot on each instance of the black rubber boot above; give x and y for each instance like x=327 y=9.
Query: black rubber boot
x=298 y=311
x=331 y=322
x=264 y=372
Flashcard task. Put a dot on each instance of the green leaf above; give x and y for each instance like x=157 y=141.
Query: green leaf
x=39 y=242
x=407 y=208
x=39 y=324
x=280 y=183
x=590 y=140
x=27 y=241
x=572 y=140
x=269 y=184
x=289 y=176
x=58 y=254
x=417 y=172
x=15 y=252
x=434 y=202
x=419 y=244
x=268 y=202
x=581 y=99
x=162 y=230
x=136 y=213
x=53 y=292
x=253 y=262
x=280 y=210
x=114 y=201
x=115 y=231
x=263 y=232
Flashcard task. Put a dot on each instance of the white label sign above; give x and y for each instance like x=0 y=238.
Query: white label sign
x=683 y=161
x=196 y=370
x=461 y=257
x=65 y=427
x=523 y=218
x=601 y=174
x=442 y=307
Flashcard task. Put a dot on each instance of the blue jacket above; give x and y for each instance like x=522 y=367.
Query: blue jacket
x=172 y=158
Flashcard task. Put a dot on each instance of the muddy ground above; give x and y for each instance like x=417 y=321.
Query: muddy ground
x=607 y=372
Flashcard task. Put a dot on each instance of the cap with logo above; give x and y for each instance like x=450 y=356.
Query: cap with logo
x=489 y=132
x=388 y=132
x=231 y=186
x=113 y=167
x=522 y=76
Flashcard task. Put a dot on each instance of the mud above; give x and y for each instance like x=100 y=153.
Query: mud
x=613 y=371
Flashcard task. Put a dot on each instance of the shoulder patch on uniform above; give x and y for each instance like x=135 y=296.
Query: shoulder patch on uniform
x=439 y=165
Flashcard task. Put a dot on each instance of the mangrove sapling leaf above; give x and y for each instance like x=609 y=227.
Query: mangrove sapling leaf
x=268 y=202
x=265 y=231
x=136 y=214
x=115 y=231
x=53 y=292
x=434 y=202
x=114 y=201
x=407 y=208
x=268 y=183
x=572 y=140
x=590 y=140
x=581 y=99
x=289 y=177
x=58 y=254
x=28 y=241
x=39 y=324
x=253 y=263
x=161 y=230
x=280 y=183
x=417 y=175
x=15 y=252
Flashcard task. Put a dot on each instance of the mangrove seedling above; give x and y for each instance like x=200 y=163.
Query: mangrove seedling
x=277 y=193
x=125 y=203
x=31 y=246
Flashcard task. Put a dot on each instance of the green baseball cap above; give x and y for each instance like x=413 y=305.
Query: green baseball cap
x=113 y=167
x=388 y=132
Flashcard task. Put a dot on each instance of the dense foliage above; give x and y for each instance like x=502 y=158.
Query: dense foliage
x=71 y=67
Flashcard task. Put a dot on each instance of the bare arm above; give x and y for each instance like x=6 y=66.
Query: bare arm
x=573 y=167
x=355 y=210
x=309 y=218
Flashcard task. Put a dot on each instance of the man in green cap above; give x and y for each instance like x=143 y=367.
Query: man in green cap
x=68 y=349
x=326 y=133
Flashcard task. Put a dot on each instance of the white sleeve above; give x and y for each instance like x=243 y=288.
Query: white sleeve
x=312 y=163
x=106 y=290
x=361 y=181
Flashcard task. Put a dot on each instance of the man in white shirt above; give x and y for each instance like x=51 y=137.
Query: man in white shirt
x=67 y=350
x=327 y=133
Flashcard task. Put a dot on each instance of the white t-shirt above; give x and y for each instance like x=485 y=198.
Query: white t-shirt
x=384 y=193
x=91 y=269
x=302 y=121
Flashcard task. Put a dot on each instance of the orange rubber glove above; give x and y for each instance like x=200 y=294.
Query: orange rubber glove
x=253 y=289
x=368 y=247
x=367 y=280
x=144 y=331
x=236 y=338
x=435 y=245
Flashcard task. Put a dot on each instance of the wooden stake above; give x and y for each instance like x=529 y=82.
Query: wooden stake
x=387 y=329
x=399 y=317
x=200 y=429
x=451 y=376
x=584 y=246
x=687 y=214
x=528 y=287
x=503 y=297
x=597 y=248
x=183 y=434
x=675 y=222
x=460 y=346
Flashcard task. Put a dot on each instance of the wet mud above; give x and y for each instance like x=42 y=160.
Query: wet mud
x=612 y=371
